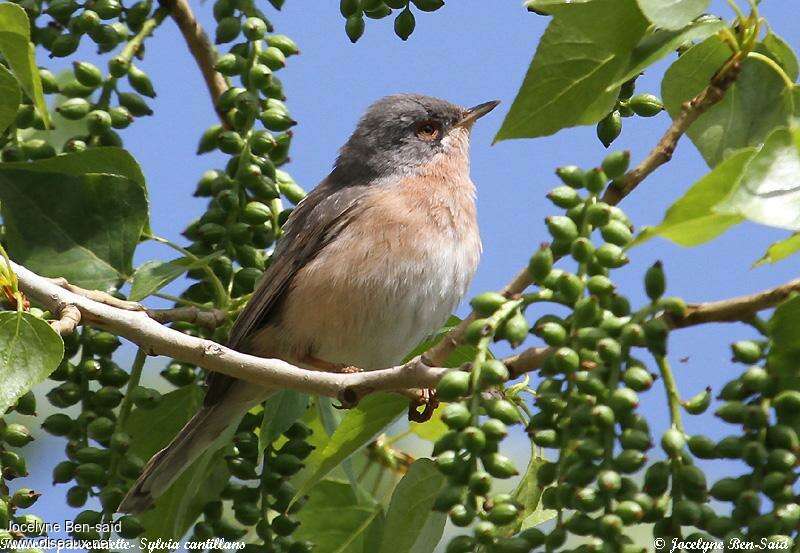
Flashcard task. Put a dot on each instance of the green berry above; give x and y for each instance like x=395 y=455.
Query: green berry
x=571 y=176
x=16 y=435
x=487 y=303
x=541 y=264
x=228 y=28
x=564 y=196
x=646 y=105
x=503 y=410
x=493 y=372
x=638 y=379
x=746 y=351
x=87 y=74
x=616 y=164
x=74 y=108
x=654 y=281
x=453 y=385
x=617 y=233
x=140 y=82
x=499 y=466
x=456 y=416
x=608 y=129
x=673 y=442
x=562 y=228
x=134 y=104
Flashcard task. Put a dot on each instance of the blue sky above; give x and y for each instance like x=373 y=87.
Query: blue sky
x=467 y=52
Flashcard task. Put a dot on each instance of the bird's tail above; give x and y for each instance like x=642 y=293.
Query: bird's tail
x=192 y=441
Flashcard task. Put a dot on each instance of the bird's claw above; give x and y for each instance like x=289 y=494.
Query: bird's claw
x=430 y=402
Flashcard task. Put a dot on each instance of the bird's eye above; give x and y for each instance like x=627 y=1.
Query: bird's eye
x=429 y=130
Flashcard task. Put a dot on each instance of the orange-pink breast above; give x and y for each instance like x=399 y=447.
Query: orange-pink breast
x=391 y=277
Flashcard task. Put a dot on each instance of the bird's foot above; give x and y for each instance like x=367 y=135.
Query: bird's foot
x=429 y=400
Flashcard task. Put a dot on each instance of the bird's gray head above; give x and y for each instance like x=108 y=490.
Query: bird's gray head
x=401 y=132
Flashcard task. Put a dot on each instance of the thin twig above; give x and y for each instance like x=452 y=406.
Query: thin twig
x=200 y=46
x=738 y=309
x=97 y=295
x=734 y=309
x=662 y=153
x=209 y=318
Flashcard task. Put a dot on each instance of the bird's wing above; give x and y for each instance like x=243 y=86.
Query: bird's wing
x=316 y=220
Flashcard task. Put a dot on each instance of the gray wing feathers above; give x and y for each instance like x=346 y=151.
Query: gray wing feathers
x=314 y=223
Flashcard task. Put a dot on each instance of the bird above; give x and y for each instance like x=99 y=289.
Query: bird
x=372 y=261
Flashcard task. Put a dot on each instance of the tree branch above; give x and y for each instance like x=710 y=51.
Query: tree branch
x=209 y=318
x=69 y=317
x=201 y=48
x=690 y=112
x=157 y=339
x=732 y=310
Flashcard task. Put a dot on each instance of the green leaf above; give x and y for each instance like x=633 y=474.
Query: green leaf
x=757 y=103
x=281 y=410
x=769 y=189
x=672 y=14
x=548 y=6
x=432 y=429
x=374 y=413
x=784 y=329
x=692 y=220
x=29 y=351
x=581 y=53
x=152 y=429
x=333 y=520
x=152 y=276
x=780 y=250
x=462 y=354
x=10 y=97
x=105 y=160
x=528 y=494
x=658 y=43
x=783 y=54
x=411 y=509
x=84 y=227
x=17 y=49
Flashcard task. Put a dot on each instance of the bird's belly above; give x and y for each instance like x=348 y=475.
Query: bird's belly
x=370 y=307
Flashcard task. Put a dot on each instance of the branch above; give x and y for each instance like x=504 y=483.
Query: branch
x=209 y=318
x=732 y=310
x=69 y=317
x=690 y=112
x=139 y=327
x=157 y=339
x=201 y=48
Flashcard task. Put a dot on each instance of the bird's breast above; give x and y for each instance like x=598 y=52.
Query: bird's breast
x=391 y=277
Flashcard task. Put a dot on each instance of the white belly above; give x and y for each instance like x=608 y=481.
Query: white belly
x=398 y=304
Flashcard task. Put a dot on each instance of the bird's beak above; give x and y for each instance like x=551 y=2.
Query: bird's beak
x=474 y=113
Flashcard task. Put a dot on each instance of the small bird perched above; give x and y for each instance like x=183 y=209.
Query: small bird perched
x=371 y=262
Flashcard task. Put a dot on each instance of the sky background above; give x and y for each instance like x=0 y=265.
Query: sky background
x=467 y=52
